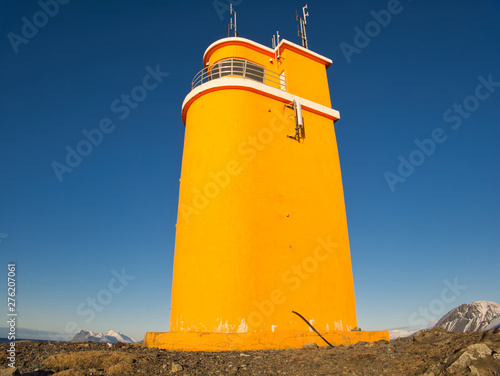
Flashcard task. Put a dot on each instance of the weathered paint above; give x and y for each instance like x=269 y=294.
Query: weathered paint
x=255 y=341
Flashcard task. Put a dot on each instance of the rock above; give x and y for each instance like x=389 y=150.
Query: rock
x=474 y=371
x=471 y=353
x=68 y=372
x=9 y=372
x=481 y=349
x=310 y=346
x=433 y=370
x=435 y=335
x=176 y=367
x=96 y=371
x=118 y=345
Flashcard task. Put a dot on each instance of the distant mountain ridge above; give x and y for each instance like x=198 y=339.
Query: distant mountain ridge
x=466 y=318
x=473 y=317
x=109 y=337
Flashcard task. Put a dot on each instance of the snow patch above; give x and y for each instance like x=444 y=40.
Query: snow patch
x=494 y=324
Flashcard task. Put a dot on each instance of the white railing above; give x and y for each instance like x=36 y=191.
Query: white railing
x=239 y=68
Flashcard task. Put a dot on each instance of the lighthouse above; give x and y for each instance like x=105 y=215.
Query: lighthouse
x=262 y=257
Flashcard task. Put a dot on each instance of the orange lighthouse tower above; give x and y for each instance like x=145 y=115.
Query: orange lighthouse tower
x=261 y=228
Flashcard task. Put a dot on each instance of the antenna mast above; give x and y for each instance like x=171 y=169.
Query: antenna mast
x=276 y=42
x=232 y=26
x=303 y=24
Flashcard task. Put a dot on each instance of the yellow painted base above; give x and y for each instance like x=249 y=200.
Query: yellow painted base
x=199 y=341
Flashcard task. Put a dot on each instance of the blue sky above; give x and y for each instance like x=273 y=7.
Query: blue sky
x=432 y=225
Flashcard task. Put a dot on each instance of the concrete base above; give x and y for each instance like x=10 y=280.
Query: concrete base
x=198 y=341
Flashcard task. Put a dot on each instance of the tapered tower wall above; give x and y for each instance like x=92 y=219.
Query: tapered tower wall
x=261 y=226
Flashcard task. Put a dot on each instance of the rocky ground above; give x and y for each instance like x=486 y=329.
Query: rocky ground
x=430 y=353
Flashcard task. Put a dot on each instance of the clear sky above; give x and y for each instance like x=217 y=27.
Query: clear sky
x=417 y=84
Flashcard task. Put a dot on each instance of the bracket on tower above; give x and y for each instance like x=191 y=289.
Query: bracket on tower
x=232 y=25
x=303 y=23
x=299 y=122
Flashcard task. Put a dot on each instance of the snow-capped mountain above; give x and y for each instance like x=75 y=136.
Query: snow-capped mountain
x=399 y=333
x=472 y=317
x=109 y=337
x=494 y=324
